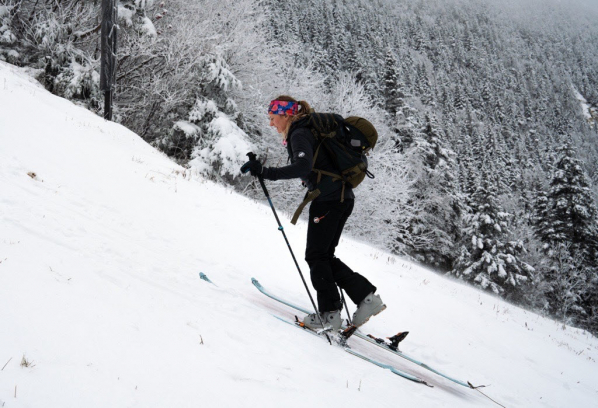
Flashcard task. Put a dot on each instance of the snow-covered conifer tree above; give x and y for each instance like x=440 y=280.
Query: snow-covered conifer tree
x=565 y=221
x=393 y=95
x=58 y=39
x=565 y=278
x=424 y=89
x=485 y=259
x=566 y=215
x=436 y=227
x=209 y=136
x=7 y=38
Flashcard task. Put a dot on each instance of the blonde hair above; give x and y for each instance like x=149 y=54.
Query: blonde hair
x=304 y=109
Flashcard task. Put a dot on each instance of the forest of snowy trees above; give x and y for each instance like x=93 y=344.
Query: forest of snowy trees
x=487 y=164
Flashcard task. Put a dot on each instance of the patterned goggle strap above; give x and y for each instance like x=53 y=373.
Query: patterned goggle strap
x=283 y=107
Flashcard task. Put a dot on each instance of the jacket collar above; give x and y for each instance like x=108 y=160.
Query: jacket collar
x=297 y=124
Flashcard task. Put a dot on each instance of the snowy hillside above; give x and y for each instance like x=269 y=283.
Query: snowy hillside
x=102 y=240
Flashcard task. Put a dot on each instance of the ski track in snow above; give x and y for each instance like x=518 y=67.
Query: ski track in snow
x=100 y=254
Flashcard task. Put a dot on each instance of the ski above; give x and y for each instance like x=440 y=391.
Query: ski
x=378 y=342
x=399 y=353
x=204 y=277
x=361 y=356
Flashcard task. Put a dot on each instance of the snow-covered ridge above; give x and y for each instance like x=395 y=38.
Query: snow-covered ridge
x=102 y=239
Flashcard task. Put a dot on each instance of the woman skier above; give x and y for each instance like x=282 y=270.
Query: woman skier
x=327 y=217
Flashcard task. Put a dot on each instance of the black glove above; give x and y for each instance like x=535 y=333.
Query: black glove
x=252 y=166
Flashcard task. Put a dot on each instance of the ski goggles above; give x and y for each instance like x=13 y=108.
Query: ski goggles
x=283 y=107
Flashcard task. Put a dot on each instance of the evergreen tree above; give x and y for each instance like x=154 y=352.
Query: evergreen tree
x=393 y=96
x=567 y=216
x=209 y=138
x=565 y=221
x=423 y=85
x=565 y=279
x=484 y=258
x=436 y=227
x=458 y=100
x=589 y=301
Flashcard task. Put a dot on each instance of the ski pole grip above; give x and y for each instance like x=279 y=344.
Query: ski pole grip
x=253 y=157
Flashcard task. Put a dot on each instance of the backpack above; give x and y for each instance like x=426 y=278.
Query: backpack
x=346 y=142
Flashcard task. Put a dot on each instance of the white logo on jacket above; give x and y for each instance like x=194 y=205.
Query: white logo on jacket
x=301 y=154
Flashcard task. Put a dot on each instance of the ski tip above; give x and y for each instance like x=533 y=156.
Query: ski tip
x=204 y=277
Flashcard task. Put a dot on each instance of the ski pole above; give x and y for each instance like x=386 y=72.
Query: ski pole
x=253 y=157
x=346 y=307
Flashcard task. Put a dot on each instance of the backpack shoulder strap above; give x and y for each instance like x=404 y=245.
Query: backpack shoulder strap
x=309 y=197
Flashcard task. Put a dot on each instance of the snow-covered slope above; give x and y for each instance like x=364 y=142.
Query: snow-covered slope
x=588 y=112
x=102 y=239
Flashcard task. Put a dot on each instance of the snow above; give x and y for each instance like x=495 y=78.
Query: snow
x=148 y=27
x=201 y=108
x=126 y=14
x=590 y=113
x=220 y=73
x=101 y=246
x=6 y=35
x=190 y=129
x=230 y=149
x=76 y=76
x=585 y=107
x=501 y=271
x=4 y=10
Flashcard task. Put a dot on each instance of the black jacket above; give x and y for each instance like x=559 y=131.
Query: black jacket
x=301 y=147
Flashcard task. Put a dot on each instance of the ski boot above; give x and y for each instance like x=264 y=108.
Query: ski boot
x=332 y=321
x=370 y=306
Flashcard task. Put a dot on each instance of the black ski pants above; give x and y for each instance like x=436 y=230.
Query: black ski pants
x=326 y=222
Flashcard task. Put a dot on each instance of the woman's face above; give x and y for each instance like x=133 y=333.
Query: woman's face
x=280 y=122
